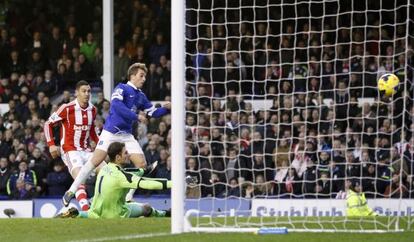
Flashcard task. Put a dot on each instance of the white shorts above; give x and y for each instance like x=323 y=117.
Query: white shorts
x=76 y=158
x=131 y=144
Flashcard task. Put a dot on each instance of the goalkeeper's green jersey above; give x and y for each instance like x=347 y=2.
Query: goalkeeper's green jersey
x=112 y=185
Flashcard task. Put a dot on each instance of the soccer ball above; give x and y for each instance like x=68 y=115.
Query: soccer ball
x=388 y=83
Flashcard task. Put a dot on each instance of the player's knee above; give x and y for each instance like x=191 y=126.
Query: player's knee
x=142 y=163
x=98 y=157
x=138 y=160
x=147 y=210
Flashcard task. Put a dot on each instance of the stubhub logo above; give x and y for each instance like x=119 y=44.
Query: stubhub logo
x=326 y=207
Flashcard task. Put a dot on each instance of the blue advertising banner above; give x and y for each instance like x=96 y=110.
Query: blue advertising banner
x=47 y=208
x=219 y=206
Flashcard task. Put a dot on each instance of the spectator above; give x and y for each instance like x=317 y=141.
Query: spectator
x=39 y=165
x=97 y=65
x=233 y=189
x=6 y=143
x=151 y=153
x=54 y=46
x=5 y=173
x=78 y=73
x=324 y=186
x=104 y=111
x=291 y=184
x=384 y=172
x=36 y=64
x=26 y=177
x=14 y=64
x=45 y=108
x=396 y=189
x=158 y=49
x=262 y=188
x=88 y=47
x=86 y=66
x=121 y=64
x=309 y=180
x=409 y=158
x=58 y=179
x=164 y=171
x=23 y=190
x=63 y=77
x=66 y=97
x=369 y=181
x=12 y=111
x=153 y=86
x=71 y=40
x=193 y=190
x=215 y=186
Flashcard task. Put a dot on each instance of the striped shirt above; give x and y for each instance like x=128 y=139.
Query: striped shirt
x=77 y=126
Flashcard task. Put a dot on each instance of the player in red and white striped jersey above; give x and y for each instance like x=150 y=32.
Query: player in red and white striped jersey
x=77 y=129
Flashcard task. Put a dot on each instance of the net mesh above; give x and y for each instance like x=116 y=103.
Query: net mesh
x=282 y=109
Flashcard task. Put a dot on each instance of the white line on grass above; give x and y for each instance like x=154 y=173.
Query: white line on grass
x=123 y=237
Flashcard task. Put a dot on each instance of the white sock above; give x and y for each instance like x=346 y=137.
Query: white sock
x=84 y=172
x=130 y=195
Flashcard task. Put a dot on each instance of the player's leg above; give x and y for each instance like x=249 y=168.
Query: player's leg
x=80 y=159
x=140 y=209
x=98 y=157
x=138 y=160
x=80 y=195
x=136 y=155
x=74 y=162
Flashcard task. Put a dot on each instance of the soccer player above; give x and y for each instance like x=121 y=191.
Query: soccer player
x=77 y=120
x=126 y=100
x=356 y=203
x=112 y=184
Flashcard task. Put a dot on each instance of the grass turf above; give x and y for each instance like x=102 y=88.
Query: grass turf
x=121 y=229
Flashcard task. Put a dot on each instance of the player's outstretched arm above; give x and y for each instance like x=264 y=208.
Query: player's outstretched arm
x=152 y=111
x=129 y=180
x=157 y=112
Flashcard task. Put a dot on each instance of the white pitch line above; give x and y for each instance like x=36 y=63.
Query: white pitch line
x=123 y=237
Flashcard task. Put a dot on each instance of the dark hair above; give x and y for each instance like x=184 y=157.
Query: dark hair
x=81 y=83
x=115 y=149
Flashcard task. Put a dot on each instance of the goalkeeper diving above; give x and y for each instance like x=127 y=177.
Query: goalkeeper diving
x=112 y=184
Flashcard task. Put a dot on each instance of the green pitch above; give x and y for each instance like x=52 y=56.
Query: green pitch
x=157 y=229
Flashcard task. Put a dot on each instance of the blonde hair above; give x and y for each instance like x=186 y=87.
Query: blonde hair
x=134 y=68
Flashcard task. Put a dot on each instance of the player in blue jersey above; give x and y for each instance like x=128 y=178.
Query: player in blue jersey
x=127 y=99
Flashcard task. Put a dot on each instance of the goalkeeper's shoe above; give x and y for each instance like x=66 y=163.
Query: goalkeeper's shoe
x=144 y=172
x=150 y=168
x=67 y=198
x=70 y=213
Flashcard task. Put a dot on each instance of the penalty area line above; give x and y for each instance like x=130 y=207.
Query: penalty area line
x=123 y=237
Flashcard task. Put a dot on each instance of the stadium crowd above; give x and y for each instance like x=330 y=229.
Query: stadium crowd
x=301 y=147
x=327 y=124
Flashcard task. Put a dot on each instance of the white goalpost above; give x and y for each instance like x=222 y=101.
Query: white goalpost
x=178 y=115
x=276 y=111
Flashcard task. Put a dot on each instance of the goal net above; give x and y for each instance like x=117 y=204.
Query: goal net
x=282 y=113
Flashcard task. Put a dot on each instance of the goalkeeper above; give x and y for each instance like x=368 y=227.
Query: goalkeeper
x=356 y=204
x=112 y=184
